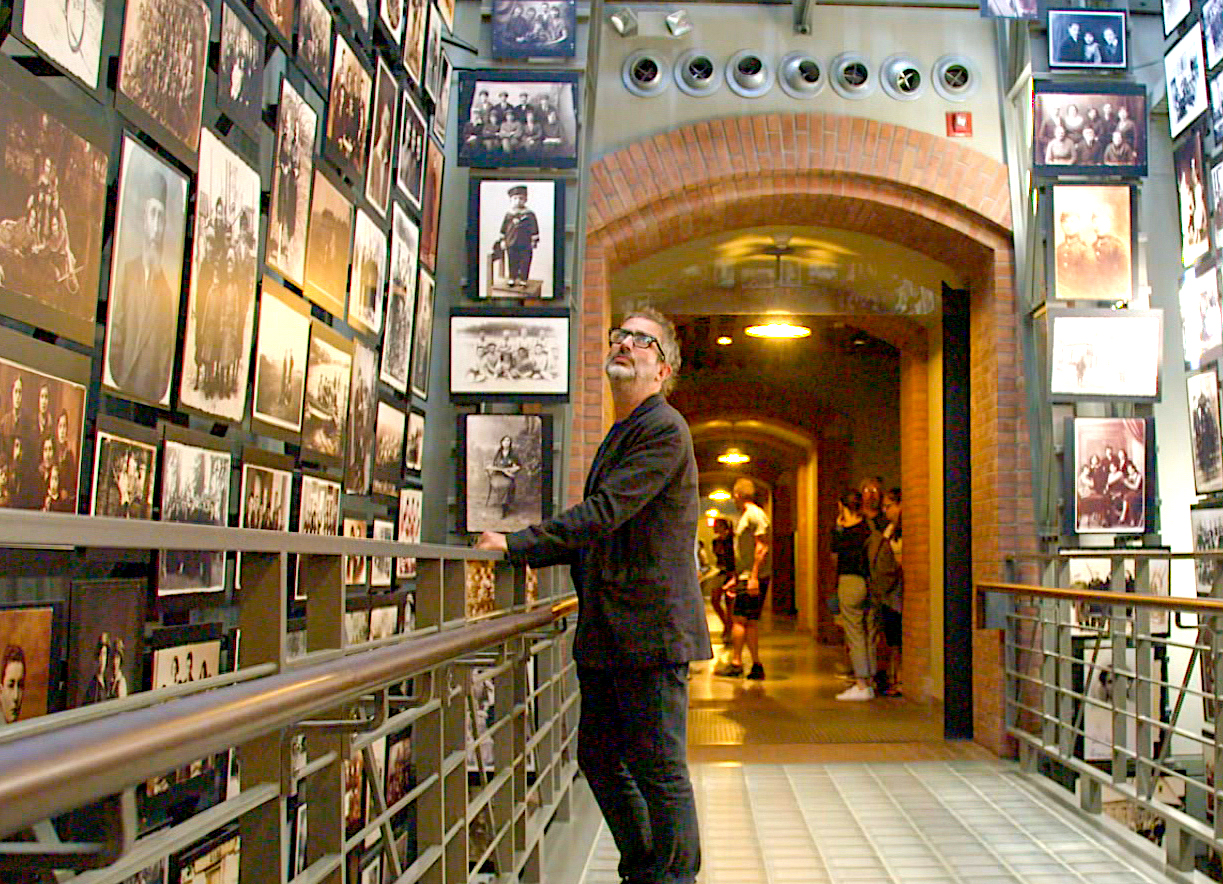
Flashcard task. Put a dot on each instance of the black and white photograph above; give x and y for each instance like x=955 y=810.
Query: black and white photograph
x=411 y=502
x=1093 y=242
x=534 y=28
x=314 y=43
x=353 y=802
x=525 y=353
x=146 y=277
x=441 y=106
x=1089 y=128
x=266 y=496
x=296 y=124
x=1174 y=12
x=1216 y=106
x=410 y=170
x=1212 y=22
x=194 y=489
x=1207 y=525
x=52 y=207
x=383 y=622
x=1205 y=432
x=1185 y=77
x=216 y=863
x=362 y=410
x=431 y=204
x=327 y=375
x=480 y=753
x=320 y=507
x=240 y=69
x=348 y=110
x=1216 y=191
x=400 y=301
x=41 y=433
x=381 y=140
x=1191 y=197
x=392 y=14
x=1110 y=459
x=69 y=34
x=280 y=14
x=1028 y=10
x=123 y=474
x=355 y=567
x=505 y=475
x=28 y=637
x=414 y=443
x=161 y=70
x=281 y=351
x=416 y=19
x=183 y=664
x=380 y=566
x=1105 y=354
x=434 y=52
x=517 y=119
x=518 y=245
x=422 y=337
x=1201 y=318
x=327 y=246
x=104 y=640
x=400 y=773
x=221 y=301
x=367 y=282
x=1082 y=38
x=388 y=449
x=446 y=8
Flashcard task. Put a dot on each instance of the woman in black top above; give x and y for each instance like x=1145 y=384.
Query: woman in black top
x=859 y=618
x=724 y=558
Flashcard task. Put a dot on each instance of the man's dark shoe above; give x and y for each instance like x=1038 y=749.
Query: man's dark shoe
x=756 y=673
x=881 y=682
x=730 y=670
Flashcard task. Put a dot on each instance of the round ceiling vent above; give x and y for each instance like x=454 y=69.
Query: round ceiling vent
x=955 y=77
x=903 y=78
x=801 y=76
x=851 y=75
x=748 y=74
x=696 y=74
x=643 y=74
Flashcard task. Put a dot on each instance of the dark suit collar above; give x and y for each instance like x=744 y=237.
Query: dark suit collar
x=646 y=405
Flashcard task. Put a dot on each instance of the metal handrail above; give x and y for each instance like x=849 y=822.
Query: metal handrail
x=1206 y=606
x=52 y=773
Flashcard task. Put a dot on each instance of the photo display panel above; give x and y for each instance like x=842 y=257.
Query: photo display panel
x=388 y=449
x=519 y=244
x=281 y=352
x=348 y=110
x=381 y=140
x=328 y=372
x=1063 y=112
x=293 y=174
x=1093 y=242
x=240 y=72
x=362 y=407
x=124 y=469
x=534 y=29
x=27 y=645
x=194 y=489
x=409 y=173
x=367 y=283
x=314 y=28
x=328 y=246
x=401 y=301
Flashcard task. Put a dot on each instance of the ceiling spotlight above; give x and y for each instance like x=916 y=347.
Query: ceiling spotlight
x=678 y=23
x=733 y=457
x=720 y=494
x=725 y=341
x=712 y=514
x=778 y=330
x=624 y=20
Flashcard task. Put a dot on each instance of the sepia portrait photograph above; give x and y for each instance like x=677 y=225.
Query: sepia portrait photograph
x=314 y=43
x=416 y=14
x=327 y=375
x=348 y=109
x=216 y=863
x=1081 y=38
x=388 y=449
x=422 y=337
x=27 y=650
x=42 y=420
x=146 y=277
x=431 y=204
x=280 y=14
x=293 y=169
x=1185 y=77
x=1207 y=525
x=1089 y=128
x=183 y=664
x=1205 y=432
x=414 y=443
x=518 y=245
x=266 y=496
x=434 y=52
x=410 y=170
x=411 y=502
x=105 y=635
x=534 y=28
x=224 y=267
x=355 y=567
x=362 y=409
x=1013 y=9
x=281 y=350
x=327 y=246
x=1093 y=242
x=381 y=140
x=1216 y=190
x=123 y=474
x=441 y=107
x=505 y=475
x=69 y=34
x=400 y=773
x=353 y=802
x=194 y=489
x=54 y=161
x=240 y=69
x=161 y=70
x=391 y=15
x=320 y=507
x=367 y=282
x=517 y=119
x=400 y=301
x=1201 y=318
x=524 y=353
x=383 y=622
x=1191 y=197
x=1110 y=458
x=1105 y=354
x=380 y=566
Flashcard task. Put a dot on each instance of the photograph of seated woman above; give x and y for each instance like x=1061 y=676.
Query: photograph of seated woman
x=503 y=476
x=1110 y=492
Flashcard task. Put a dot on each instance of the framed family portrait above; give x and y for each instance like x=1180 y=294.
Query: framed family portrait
x=362 y=410
x=422 y=336
x=1113 y=468
x=516 y=246
x=505 y=471
x=69 y=36
x=410 y=170
x=1092 y=127
x=524 y=119
x=381 y=140
x=416 y=15
x=30 y=651
x=348 y=110
x=320 y=507
x=124 y=469
x=293 y=167
x=240 y=69
x=380 y=566
x=282 y=348
x=267 y=491
x=1201 y=318
x=367 y=282
x=356 y=568
x=314 y=29
x=105 y=640
x=1105 y=354
x=1185 y=77
x=515 y=356
x=194 y=489
x=328 y=245
x=414 y=443
x=441 y=107
x=391 y=18
x=1174 y=12
x=1206 y=521
x=1206 y=433
x=388 y=449
x=431 y=204
x=328 y=372
x=279 y=14
x=534 y=29
x=1082 y=38
x=400 y=301
x=1093 y=242
x=1191 y=198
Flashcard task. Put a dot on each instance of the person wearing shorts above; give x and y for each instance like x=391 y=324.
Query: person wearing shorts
x=750 y=583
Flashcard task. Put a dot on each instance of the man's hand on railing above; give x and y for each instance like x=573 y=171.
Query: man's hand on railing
x=492 y=540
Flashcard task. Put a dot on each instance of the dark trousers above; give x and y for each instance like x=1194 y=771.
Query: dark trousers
x=633 y=749
x=519 y=260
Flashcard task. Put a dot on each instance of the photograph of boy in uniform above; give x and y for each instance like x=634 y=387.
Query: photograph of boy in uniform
x=519 y=237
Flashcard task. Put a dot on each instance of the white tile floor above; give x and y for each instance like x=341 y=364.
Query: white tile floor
x=918 y=823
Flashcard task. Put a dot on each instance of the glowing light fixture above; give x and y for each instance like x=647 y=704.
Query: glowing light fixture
x=734 y=456
x=778 y=330
x=725 y=341
x=720 y=494
x=712 y=513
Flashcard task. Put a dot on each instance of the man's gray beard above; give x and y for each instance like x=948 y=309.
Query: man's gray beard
x=617 y=372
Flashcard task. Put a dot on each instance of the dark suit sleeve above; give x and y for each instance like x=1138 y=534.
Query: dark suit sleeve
x=638 y=472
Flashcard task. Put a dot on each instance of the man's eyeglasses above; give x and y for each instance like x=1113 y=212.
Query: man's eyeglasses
x=641 y=340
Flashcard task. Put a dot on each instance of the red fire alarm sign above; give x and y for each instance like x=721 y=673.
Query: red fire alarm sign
x=959 y=124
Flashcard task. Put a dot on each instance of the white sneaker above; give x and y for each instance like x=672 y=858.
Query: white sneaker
x=854 y=692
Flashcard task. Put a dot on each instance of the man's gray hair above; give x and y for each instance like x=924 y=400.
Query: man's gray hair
x=667 y=341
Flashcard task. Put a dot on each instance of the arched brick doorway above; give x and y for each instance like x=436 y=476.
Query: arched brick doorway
x=934 y=196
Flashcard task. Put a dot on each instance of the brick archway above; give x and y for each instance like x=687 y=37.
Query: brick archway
x=932 y=195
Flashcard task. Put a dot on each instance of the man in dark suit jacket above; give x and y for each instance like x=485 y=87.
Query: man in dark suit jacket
x=1070 y=49
x=641 y=616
